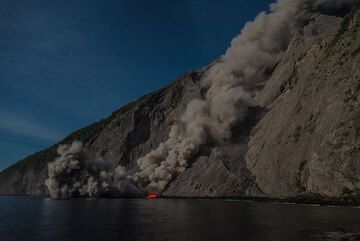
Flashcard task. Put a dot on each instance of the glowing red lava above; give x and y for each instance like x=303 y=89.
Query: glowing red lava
x=152 y=195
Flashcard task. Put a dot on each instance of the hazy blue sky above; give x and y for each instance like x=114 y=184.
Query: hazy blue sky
x=67 y=63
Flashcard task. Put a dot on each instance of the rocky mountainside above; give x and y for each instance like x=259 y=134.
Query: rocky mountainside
x=303 y=135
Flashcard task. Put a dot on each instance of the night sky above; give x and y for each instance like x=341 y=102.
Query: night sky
x=67 y=63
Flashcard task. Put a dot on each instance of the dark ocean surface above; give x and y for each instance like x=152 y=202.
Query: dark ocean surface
x=43 y=219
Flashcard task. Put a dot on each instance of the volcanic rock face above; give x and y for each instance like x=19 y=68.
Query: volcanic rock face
x=303 y=135
x=308 y=138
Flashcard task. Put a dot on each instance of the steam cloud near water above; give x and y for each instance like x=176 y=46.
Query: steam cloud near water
x=229 y=94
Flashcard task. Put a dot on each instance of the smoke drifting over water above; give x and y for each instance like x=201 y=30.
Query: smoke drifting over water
x=229 y=89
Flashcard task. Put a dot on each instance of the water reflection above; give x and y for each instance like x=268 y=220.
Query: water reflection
x=176 y=220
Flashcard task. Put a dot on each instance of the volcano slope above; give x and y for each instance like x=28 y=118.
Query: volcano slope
x=302 y=135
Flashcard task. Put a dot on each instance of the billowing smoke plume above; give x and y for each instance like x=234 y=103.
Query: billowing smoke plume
x=229 y=92
x=75 y=174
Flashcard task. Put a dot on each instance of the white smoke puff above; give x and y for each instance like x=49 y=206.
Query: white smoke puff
x=120 y=173
x=161 y=165
x=70 y=160
x=258 y=49
x=75 y=174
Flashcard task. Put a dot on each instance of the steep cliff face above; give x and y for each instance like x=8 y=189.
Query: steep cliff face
x=308 y=139
x=303 y=134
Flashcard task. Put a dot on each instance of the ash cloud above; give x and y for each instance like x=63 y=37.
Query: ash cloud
x=229 y=89
x=75 y=174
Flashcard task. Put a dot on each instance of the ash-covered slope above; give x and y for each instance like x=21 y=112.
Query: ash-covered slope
x=302 y=134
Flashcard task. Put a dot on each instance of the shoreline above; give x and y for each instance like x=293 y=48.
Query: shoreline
x=304 y=199
x=308 y=199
